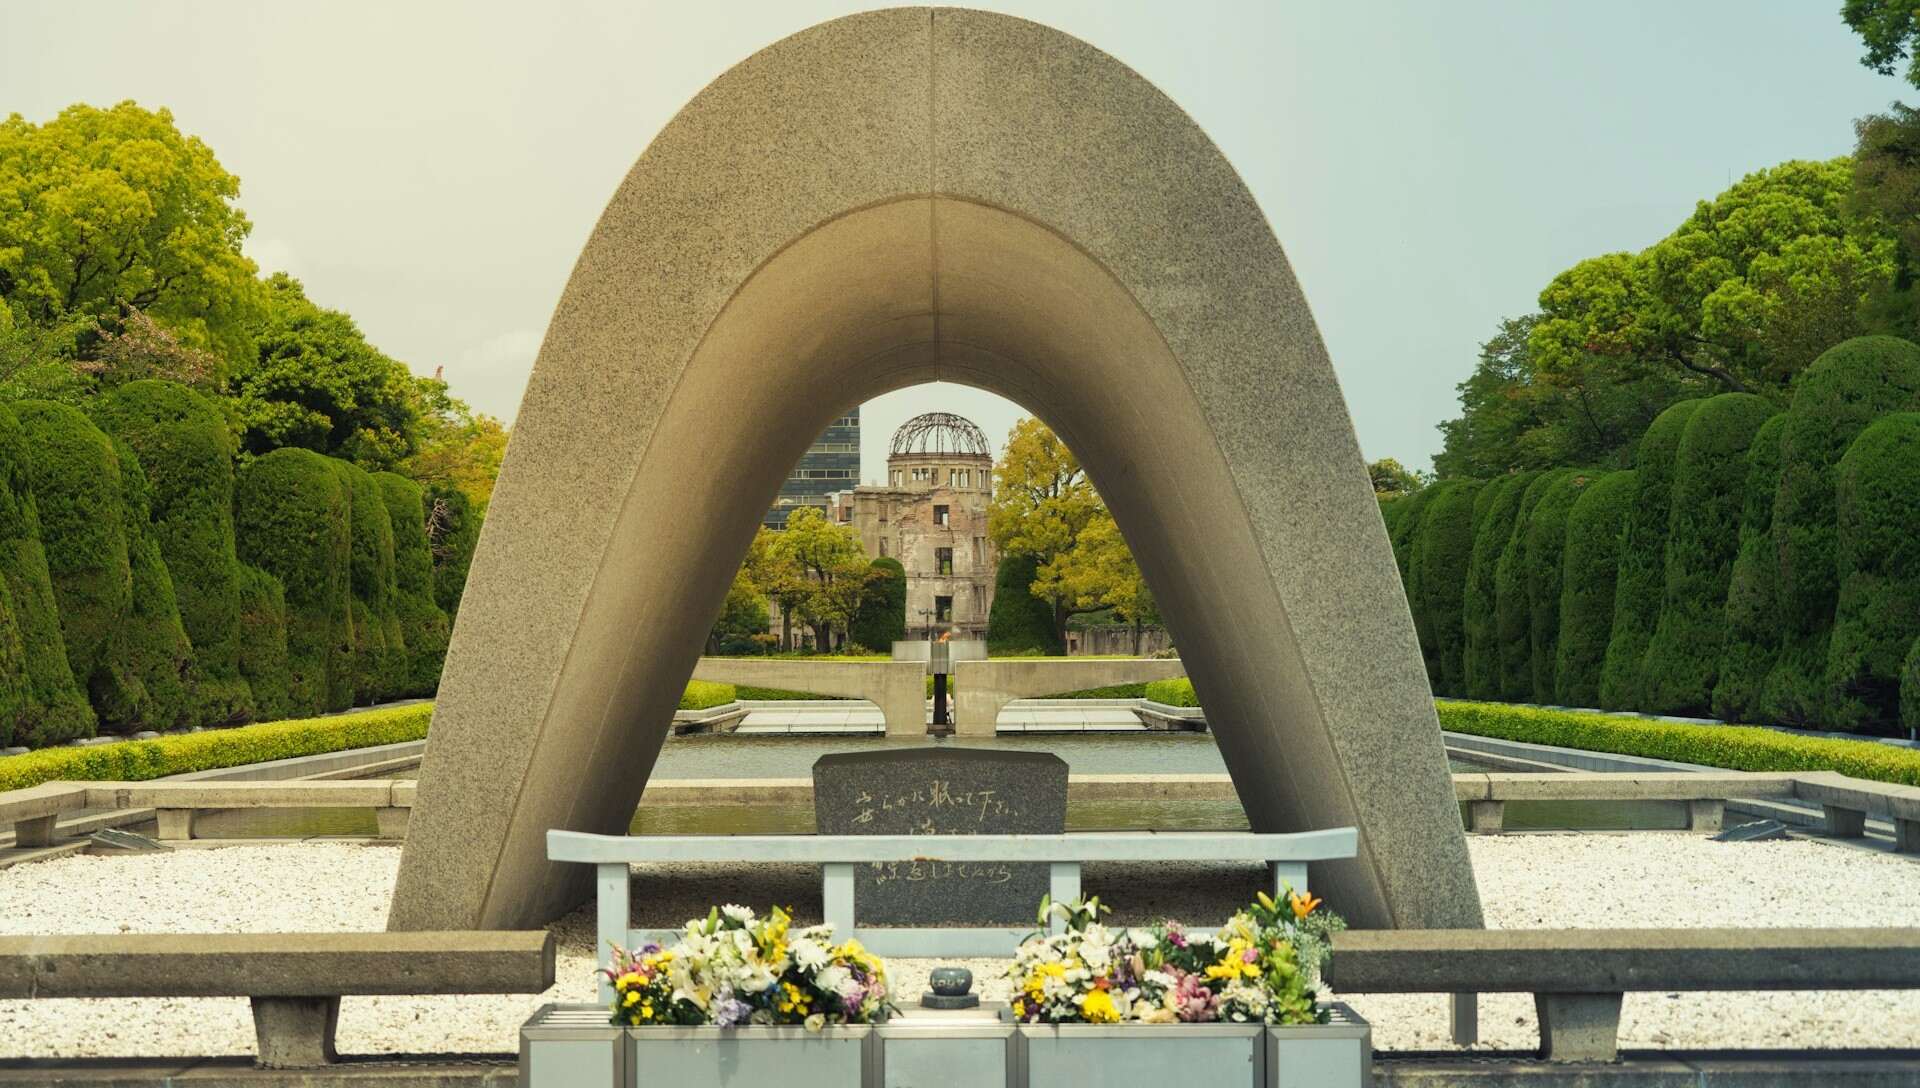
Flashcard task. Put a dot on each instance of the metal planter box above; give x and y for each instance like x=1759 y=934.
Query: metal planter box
x=938 y=1052
x=1338 y=1054
x=573 y=1046
x=1072 y=1055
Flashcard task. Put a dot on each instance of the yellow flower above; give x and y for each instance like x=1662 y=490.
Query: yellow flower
x=1302 y=904
x=646 y=1011
x=632 y=996
x=626 y=980
x=1098 y=1007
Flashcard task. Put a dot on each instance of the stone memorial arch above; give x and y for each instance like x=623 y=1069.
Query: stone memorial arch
x=897 y=197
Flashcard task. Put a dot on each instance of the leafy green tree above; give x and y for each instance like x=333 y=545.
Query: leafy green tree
x=1877 y=615
x=1393 y=479
x=1640 y=586
x=1513 y=605
x=456 y=446
x=39 y=703
x=315 y=383
x=1889 y=29
x=1479 y=620
x=742 y=619
x=291 y=515
x=1588 y=570
x=882 y=619
x=423 y=626
x=1442 y=552
x=1838 y=397
x=102 y=210
x=1886 y=189
x=1753 y=588
x=1099 y=572
x=1042 y=501
x=1681 y=665
x=1747 y=292
x=1018 y=622
x=833 y=567
x=1543 y=553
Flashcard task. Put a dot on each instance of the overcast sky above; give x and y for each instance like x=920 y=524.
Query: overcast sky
x=433 y=168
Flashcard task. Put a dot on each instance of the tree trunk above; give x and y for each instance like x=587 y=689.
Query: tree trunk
x=1136 y=636
x=786 y=630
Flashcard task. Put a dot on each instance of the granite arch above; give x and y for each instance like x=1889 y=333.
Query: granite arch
x=896 y=197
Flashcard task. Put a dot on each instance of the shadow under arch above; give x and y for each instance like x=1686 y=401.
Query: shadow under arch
x=893 y=198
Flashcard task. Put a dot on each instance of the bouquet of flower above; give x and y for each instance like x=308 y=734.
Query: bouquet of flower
x=734 y=968
x=1258 y=968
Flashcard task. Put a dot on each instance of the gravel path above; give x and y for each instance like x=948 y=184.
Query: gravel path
x=1526 y=881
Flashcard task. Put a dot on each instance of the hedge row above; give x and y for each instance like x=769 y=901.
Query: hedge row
x=1175 y=692
x=702 y=694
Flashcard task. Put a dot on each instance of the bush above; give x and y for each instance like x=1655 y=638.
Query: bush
x=1641 y=583
x=1734 y=747
x=290 y=517
x=1513 y=609
x=1175 y=692
x=453 y=529
x=882 y=618
x=1877 y=496
x=1682 y=661
x=263 y=642
x=186 y=451
x=156 y=644
x=379 y=648
x=423 y=626
x=1910 y=688
x=1592 y=556
x=1019 y=622
x=40 y=703
x=1442 y=550
x=702 y=694
x=1753 y=606
x=1835 y=399
x=1496 y=507
x=1544 y=550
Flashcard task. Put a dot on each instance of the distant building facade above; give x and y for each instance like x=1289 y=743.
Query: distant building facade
x=831 y=464
x=931 y=515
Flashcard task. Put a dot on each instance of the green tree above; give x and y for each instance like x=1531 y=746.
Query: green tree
x=1838 y=397
x=1886 y=189
x=1745 y=293
x=423 y=626
x=1513 y=607
x=1042 y=500
x=1681 y=665
x=1391 y=479
x=1889 y=29
x=40 y=704
x=107 y=210
x=456 y=446
x=1495 y=509
x=882 y=619
x=833 y=566
x=1543 y=551
x=315 y=383
x=778 y=575
x=1588 y=571
x=291 y=514
x=1442 y=553
x=1877 y=614
x=1640 y=586
x=1753 y=588
x=1018 y=622
x=743 y=615
x=1099 y=572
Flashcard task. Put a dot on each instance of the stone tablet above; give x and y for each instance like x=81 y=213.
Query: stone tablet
x=943 y=790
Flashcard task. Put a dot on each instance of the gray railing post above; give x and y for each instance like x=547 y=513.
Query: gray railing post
x=1063 y=886
x=836 y=897
x=613 y=916
x=1579 y=1027
x=1463 y=1018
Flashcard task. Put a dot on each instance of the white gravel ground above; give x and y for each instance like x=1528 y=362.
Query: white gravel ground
x=1526 y=881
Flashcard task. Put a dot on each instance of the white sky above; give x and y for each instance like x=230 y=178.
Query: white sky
x=433 y=168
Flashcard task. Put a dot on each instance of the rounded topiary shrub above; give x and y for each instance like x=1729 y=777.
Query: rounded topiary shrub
x=185 y=449
x=1442 y=549
x=1018 y=622
x=1404 y=531
x=263 y=643
x=1847 y=388
x=882 y=618
x=379 y=648
x=156 y=643
x=1496 y=507
x=1682 y=662
x=1752 y=642
x=290 y=515
x=453 y=529
x=1877 y=496
x=1512 y=607
x=423 y=626
x=1910 y=688
x=41 y=704
x=1589 y=565
x=1542 y=551
x=1641 y=583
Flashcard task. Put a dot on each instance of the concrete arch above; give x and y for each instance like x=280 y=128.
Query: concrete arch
x=891 y=198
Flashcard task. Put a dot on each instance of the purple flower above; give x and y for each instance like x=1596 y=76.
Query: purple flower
x=730 y=1011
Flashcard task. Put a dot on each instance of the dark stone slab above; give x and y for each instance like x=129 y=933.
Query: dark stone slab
x=943 y=790
x=1757 y=831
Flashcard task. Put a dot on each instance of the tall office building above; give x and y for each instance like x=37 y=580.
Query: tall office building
x=831 y=464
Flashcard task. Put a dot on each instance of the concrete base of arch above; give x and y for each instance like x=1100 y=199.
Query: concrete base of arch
x=898 y=197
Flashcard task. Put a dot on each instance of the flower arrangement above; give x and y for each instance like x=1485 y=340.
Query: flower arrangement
x=735 y=968
x=1258 y=968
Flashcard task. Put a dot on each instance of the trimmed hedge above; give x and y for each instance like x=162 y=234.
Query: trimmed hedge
x=1175 y=692
x=702 y=694
x=1512 y=610
x=1543 y=553
x=184 y=447
x=263 y=642
x=1682 y=661
x=1442 y=550
x=1641 y=582
x=1017 y=621
x=1910 y=688
x=138 y=760
x=1753 y=632
x=1495 y=509
x=456 y=531
x=882 y=617
x=157 y=646
x=423 y=626
x=1834 y=399
x=40 y=703
x=290 y=515
x=1877 y=496
x=1589 y=564
x=379 y=648
x=1734 y=747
